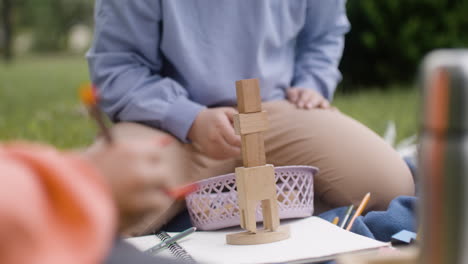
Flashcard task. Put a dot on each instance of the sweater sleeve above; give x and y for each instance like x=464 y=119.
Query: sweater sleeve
x=320 y=46
x=126 y=65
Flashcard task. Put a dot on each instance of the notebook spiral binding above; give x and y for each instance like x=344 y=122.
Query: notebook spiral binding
x=175 y=249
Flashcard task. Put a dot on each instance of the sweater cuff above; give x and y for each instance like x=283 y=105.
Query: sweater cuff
x=180 y=116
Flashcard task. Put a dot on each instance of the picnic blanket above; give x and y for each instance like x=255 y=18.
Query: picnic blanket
x=381 y=225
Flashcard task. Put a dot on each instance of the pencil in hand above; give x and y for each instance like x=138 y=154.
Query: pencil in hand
x=90 y=98
x=359 y=211
x=180 y=192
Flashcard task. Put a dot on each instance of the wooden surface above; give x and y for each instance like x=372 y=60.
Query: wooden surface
x=251 y=123
x=250 y=110
x=253 y=150
x=254 y=185
x=248 y=96
x=262 y=237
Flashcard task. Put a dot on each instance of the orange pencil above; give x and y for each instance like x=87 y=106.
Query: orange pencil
x=89 y=97
x=180 y=192
x=335 y=220
x=359 y=211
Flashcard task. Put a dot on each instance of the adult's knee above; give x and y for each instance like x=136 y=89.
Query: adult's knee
x=343 y=182
x=395 y=181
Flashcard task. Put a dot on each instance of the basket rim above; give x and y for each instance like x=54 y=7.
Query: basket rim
x=313 y=170
x=215 y=222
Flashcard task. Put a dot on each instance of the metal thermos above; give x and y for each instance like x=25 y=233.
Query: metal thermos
x=443 y=158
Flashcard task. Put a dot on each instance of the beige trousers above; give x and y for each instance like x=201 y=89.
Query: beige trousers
x=352 y=159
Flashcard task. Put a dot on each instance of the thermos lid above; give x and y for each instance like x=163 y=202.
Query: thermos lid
x=444 y=83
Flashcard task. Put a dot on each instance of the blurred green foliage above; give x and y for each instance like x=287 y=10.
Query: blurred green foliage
x=51 y=20
x=387 y=41
x=389 y=38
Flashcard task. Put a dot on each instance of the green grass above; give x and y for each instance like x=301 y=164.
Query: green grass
x=376 y=108
x=38 y=101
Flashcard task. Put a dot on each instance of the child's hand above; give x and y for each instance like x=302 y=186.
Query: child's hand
x=137 y=178
x=213 y=133
x=307 y=98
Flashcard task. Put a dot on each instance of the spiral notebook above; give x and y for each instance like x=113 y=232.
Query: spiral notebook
x=173 y=251
x=312 y=240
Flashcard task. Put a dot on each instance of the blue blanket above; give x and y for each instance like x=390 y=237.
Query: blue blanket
x=381 y=225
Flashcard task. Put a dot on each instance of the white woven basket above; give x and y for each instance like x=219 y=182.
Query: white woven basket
x=214 y=204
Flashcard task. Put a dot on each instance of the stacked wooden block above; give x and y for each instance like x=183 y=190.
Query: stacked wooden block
x=256 y=180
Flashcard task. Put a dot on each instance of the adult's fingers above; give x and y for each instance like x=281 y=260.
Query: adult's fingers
x=223 y=150
x=228 y=133
x=293 y=94
x=324 y=104
x=315 y=102
x=230 y=112
x=309 y=99
x=229 y=151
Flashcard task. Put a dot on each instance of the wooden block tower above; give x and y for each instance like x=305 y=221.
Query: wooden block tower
x=256 y=180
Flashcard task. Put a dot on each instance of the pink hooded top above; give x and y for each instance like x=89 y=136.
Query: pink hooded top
x=54 y=208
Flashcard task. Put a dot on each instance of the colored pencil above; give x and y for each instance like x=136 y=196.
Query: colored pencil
x=180 y=192
x=335 y=220
x=359 y=211
x=347 y=215
x=89 y=96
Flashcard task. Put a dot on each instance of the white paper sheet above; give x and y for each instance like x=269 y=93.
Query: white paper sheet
x=311 y=239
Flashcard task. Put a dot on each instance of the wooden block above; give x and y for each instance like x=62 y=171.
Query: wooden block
x=251 y=123
x=247 y=207
x=248 y=96
x=270 y=214
x=250 y=217
x=256 y=183
x=261 y=237
x=253 y=150
x=267 y=216
x=242 y=218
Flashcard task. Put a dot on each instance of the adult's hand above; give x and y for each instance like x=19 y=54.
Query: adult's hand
x=136 y=176
x=307 y=98
x=213 y=133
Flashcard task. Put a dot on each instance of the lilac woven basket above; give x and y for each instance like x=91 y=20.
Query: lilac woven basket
x=214 y=204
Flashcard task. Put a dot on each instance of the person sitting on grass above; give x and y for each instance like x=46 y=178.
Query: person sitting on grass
x=63 y=207
x=169 y=68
